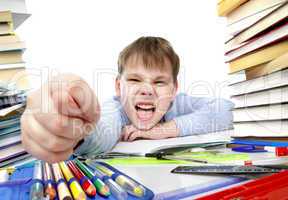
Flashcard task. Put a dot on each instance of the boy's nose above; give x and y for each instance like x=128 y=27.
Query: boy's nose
x=146 y=90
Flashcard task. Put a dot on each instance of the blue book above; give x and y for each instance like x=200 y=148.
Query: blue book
x=261 y=142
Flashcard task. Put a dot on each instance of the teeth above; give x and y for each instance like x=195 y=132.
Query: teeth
x=145 y=106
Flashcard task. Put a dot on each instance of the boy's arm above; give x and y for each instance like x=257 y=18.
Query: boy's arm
x=188 y=116
x=209 y=115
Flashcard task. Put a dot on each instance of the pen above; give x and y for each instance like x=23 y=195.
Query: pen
x=85 y=183
x=75 y=188
x=36 y=190
x=126 y=183
x=100 y=186
x=50 y=191
x=63 y=191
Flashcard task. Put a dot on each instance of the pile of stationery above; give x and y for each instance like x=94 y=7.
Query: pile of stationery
x=74 y=179
x=256 y=51
x=13 y=83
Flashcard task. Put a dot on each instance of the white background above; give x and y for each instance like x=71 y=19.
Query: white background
x=85 y=37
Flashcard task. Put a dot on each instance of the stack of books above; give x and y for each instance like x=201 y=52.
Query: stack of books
x=13 y=82
x=256 y=51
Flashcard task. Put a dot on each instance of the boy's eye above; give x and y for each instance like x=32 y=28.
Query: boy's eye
x=160 y=83
x=133 y=80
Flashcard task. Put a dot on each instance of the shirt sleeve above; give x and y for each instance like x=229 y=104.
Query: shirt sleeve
x=203 y=115
x=106 y=134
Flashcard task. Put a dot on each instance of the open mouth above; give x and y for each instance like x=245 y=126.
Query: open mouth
x=145 y=111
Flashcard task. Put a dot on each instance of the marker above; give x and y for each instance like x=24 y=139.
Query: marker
x=63 y=191
x=76 y=190
x=36 y=190
x=86 y=184
x=115 y=189
x=126 y=183
x=50 y=191
x=100 y=186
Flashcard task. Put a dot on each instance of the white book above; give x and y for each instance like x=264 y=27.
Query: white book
x=265 y=97
x=273 y=18
x=12 y=66
x=6 y=111
x=261 y=128
x=251 y=8
x=261 y=113
x=272 y=36
x=236 y=77
x=239 y=26
x=17 y=6
x=273 y=80
x=141 y=147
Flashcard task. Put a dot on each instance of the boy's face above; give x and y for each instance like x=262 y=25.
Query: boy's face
x=145 y=93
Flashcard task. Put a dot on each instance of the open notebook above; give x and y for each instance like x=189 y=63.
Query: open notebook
x=142 y=147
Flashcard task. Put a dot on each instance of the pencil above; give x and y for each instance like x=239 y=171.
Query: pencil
x=125 y=182
x=116 y=190
x=50 y=191
x=101 y=187
x=76 y=190
x=63 y=191
x=36 y=190
x=85 y=183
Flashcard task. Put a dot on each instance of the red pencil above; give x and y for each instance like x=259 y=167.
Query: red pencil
x=85 y=183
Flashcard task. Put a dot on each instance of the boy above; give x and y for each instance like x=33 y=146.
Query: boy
x=68 y=118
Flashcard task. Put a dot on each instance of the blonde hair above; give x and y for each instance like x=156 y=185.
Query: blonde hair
x=153 y=51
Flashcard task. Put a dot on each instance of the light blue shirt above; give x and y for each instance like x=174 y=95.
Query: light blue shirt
x=193 y=115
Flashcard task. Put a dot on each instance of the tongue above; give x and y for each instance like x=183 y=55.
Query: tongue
x=144 y=115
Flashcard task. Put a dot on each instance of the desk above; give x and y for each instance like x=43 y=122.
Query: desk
x=165 y=184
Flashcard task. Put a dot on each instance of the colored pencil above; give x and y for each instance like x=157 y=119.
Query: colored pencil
x=50 y=191
x=76 y=190
x=125 y=182
x=101 y=187
x=85 y=183
x=63 y=190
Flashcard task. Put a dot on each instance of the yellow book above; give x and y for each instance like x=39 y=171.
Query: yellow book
x=6 y=29
x=7 y=57
x=227 y=6
x=267 y=68
x=258 y=57
x=9 y=39
x=5 y=16
x=18 y=76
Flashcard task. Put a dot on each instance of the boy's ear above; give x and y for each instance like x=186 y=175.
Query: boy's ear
x=117 y=86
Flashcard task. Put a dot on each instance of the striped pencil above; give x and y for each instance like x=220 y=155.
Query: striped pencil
x=76 y=190
x=63 y=191
x=50 y=191
x=86 y=184
x=101 y=187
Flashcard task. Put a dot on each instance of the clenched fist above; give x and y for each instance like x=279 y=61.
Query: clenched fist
x=58 y=115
